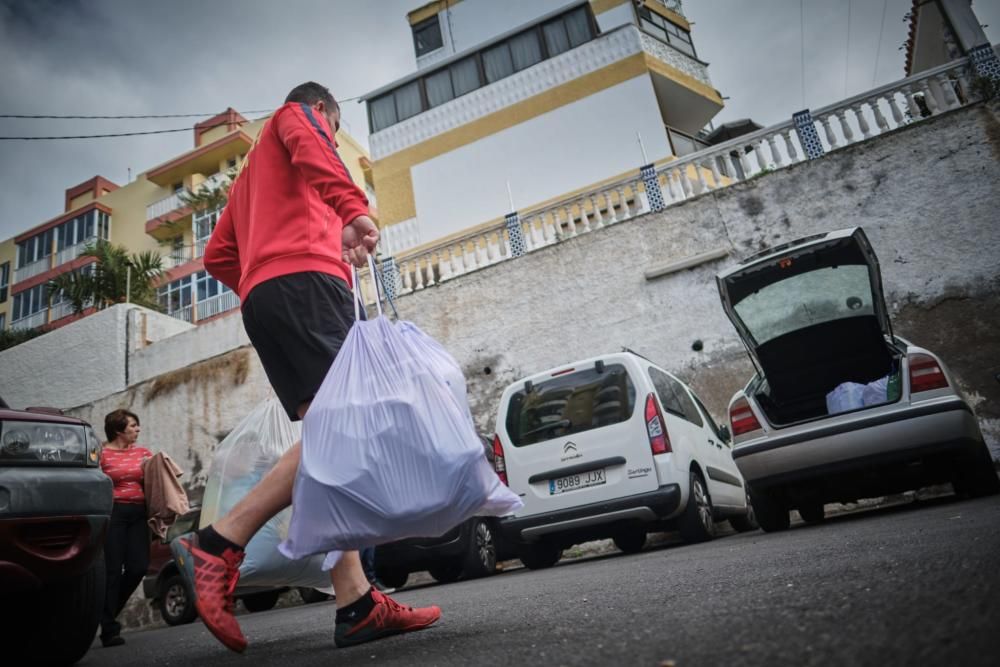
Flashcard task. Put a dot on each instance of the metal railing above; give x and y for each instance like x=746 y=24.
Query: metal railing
x=217 y=304
x=31 y=321
x=34 y=269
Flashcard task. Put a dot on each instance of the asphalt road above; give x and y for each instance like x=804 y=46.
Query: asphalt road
x=913 y=584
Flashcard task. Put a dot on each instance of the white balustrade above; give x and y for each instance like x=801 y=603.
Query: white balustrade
x=199 y=248
x=215 y=305
x=163 y=206
x=72 y=252
x=32 y=270
x=31 y=321
x=61 y=309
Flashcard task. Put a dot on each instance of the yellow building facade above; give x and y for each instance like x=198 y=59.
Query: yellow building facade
x=147 y=214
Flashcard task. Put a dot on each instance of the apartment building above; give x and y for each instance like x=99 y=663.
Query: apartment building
x=148 y=213
x=515 y=104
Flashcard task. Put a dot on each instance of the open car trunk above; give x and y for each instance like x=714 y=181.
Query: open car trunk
x=812 y=316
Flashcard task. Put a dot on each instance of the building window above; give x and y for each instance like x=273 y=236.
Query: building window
x=490 y=64
x=4 y=281
x=178 y=187
x=3 y=321
x=204 y=224
x=427 y=36
x=175 y=298
x=666 y=31
x=29 y=302
x=207 y=287
x=231 y=164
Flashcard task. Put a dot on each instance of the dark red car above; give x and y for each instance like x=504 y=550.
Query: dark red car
x=55 y=505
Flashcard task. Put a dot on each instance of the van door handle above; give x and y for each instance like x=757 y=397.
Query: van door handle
x=713 y=442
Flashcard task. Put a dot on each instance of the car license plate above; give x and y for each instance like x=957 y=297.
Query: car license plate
x=574 y=482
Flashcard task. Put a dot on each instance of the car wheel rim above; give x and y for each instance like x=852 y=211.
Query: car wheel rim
x=175 y=600
x=485 y=546
x=704 y=508
x=751 y=515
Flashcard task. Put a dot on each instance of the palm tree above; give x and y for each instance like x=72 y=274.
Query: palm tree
x=116 y=277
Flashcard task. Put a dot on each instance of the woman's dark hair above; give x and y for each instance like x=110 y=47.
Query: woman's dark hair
x=117 y=421
x=311 y=93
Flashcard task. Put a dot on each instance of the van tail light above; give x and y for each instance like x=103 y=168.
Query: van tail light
x=742 y=418
x=926 y=373
x=499 y=465
x=656 y=428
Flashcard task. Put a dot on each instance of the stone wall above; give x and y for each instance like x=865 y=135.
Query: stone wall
x=926 y=195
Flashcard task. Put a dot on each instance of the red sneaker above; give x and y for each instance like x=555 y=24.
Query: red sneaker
x=387 y=618
x=212 y=580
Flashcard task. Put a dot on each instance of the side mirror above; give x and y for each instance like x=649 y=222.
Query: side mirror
x=725 y=434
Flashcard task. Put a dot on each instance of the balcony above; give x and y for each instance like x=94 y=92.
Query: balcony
x=70 y=253
x=217 y=304
x=160 y=208
x=31 y=270
x=31 y=321
x=61 y=310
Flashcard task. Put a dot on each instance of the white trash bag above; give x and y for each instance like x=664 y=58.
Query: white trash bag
x=876 y=392
x=240 y=461
x=847 y=396
x=388 y=453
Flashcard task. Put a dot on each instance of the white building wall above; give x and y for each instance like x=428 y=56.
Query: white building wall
x=563 y=150
x=197 y=344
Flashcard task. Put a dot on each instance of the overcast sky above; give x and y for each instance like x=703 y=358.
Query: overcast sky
x=191 y=56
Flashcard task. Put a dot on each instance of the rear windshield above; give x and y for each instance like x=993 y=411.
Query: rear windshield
x=806 y=299
x=571 y=403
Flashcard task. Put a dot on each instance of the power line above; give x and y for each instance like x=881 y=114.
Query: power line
x=136 y=116
x=847 y=48
x=802 y=43
x=116 y=134
x=878 y=51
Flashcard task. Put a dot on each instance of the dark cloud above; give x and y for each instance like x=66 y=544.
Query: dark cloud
x=125 y=57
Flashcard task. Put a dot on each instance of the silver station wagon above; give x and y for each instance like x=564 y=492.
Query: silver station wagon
x=840 y=408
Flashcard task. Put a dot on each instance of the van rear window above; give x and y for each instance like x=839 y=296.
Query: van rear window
x=569 y=404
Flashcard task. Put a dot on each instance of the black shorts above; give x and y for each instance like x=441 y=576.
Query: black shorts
x=297 y=323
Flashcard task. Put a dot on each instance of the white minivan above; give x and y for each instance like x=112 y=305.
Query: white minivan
x=612 y=447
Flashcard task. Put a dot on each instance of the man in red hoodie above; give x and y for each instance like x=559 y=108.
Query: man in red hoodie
x=293 y=223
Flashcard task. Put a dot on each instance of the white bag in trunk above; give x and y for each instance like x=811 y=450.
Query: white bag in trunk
x=847 y=396
x=388 y=453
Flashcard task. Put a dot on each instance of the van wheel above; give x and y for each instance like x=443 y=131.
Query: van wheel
x=812 y=512
x=630 y=542
x=481 y=557
x=745 y=522
x=977 y=477
x=540 y=556
x=261 y=601
x=772 y=513
x=698 y=521
x=175 y=603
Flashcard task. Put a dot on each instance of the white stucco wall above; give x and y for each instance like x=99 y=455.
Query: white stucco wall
x=592 y=139
x=82 y=361
x=194 y=345
x=933 y=229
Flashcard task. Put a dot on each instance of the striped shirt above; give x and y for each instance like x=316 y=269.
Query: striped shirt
x=124 y=467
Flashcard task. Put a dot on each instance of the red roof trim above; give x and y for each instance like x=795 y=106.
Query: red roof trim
x=69 y=215
x=166 y=166
x=95 y=185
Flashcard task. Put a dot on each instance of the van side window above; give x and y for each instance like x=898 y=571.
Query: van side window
x=674 y=396
x=708 y=416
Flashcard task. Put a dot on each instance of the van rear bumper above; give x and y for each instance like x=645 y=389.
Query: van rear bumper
x=643 y=508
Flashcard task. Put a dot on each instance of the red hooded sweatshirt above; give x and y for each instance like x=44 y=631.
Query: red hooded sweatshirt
x=288 y=206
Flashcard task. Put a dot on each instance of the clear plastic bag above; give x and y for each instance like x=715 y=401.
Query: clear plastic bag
x=240 y=461
x=847 y=396
x=876 y=393
x=388 y=451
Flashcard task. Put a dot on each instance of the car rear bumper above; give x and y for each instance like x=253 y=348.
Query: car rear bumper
x=643 y=508
x=52 y=523
x=942 y=426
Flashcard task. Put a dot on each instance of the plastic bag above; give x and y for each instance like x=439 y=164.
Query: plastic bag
x=847 y=396
x=876 y=393
x=388 y=453
x=440 y=361
x=240 y=461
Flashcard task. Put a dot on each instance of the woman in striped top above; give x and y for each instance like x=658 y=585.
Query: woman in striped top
x=126 y=550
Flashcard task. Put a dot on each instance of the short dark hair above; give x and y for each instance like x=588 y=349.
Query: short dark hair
x=116 y=422
x=311 y=93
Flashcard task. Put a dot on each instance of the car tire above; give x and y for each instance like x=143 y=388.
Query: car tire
x=481 y=558
x=446 y=573
x=261 y=601
x=393 y=578
x=812 y=512
x=174 y=601
x=697 y=523
x=977 y=477
x=311 y=595
x=540 y=556
x=55 y=625
x=744 y=523
x=631 y=541
x=771 y=512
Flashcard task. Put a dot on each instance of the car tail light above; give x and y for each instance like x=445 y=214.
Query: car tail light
x=742 y=418
x=499 y=465
x=656 y=428
x=926 y=373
